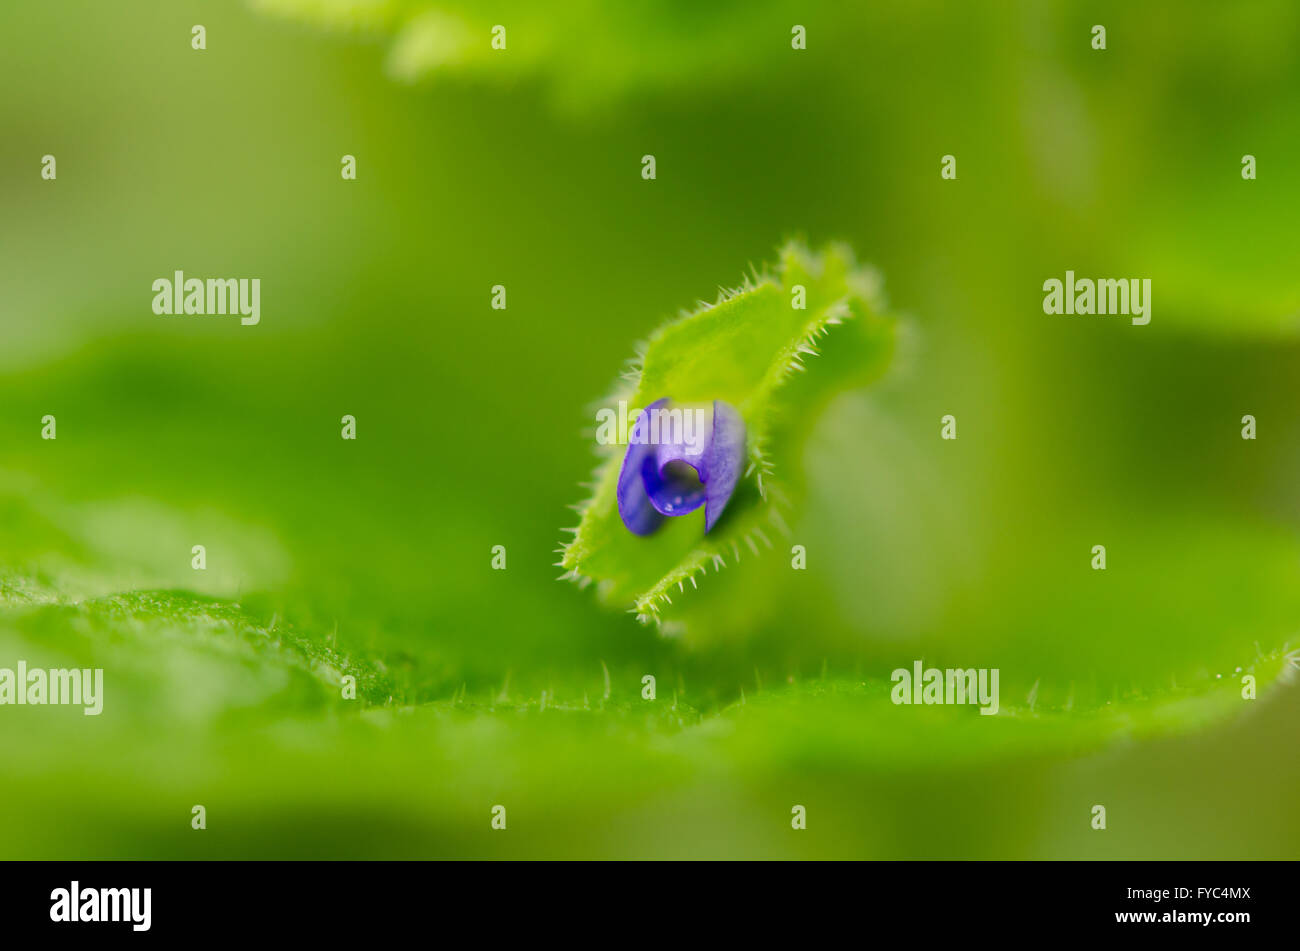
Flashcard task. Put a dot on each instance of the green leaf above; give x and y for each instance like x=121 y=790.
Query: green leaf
x=778 y=364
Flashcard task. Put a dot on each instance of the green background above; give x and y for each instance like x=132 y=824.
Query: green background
x=372 y=558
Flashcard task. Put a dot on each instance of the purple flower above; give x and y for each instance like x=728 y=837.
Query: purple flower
x=679 y=458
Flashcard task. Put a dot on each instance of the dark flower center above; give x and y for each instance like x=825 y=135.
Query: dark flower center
x=679 y=487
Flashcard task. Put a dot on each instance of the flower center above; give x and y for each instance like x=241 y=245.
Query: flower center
x=681 y=486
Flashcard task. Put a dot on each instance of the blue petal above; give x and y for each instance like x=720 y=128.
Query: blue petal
x=674 y=475
x=633 y=502
x=667 y=474
x=724 y=460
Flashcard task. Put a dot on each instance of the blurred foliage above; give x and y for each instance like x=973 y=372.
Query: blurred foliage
x=589 y=54
x=372 y=558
